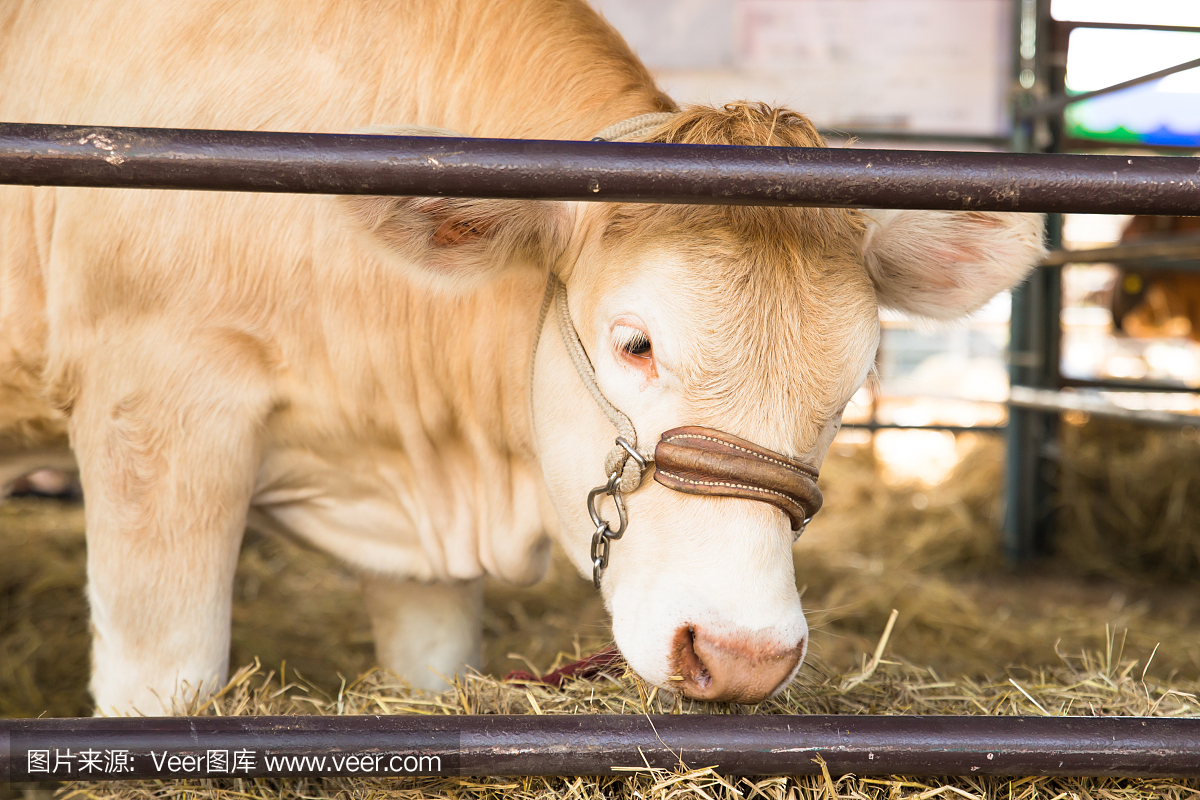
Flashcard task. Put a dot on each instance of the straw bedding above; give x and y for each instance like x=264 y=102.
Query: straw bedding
x=1107 y=683
x=1111 y=626
x=1131 y=500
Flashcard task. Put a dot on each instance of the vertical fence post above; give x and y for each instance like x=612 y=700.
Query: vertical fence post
x=1034 y=328
x=1031 y=458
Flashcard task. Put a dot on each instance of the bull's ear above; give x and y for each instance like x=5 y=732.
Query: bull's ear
x=458 y=242
x=944 y=264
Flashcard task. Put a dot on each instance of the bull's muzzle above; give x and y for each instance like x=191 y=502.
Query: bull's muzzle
x=742 y=669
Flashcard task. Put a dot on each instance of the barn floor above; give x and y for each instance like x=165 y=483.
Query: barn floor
x=1110 y=626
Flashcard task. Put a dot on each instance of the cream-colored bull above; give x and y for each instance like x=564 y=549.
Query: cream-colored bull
x=357 y=373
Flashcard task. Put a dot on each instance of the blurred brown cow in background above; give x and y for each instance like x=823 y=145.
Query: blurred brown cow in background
x=1154 y=303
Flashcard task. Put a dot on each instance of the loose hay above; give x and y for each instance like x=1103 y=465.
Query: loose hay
x=1131 y=500
x=43 y=616
x=1105 y=683
x=932 y=552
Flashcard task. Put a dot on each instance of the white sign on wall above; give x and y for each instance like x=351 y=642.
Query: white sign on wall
x=920 y=65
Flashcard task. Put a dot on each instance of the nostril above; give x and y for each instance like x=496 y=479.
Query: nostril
x=744 y=668
x=690 y=670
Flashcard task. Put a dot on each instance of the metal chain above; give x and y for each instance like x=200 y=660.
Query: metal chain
x=604 y=536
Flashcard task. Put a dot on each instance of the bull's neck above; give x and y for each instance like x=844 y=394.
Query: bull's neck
x=480 y=368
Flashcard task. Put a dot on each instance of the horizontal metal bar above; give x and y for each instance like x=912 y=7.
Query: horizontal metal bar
x=1056 y=103
x=1157 y=265
x=1050 y=400
x=890 y=426
x=147 y=158
x=1130 y=26
x=1081 y=144
x=1121 y=385
x=1176 y=247
x=760 y=744
x=1002 y=142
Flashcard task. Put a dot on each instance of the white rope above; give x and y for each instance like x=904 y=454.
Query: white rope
x=547 y=299
x=633 y=128
x=618 y=459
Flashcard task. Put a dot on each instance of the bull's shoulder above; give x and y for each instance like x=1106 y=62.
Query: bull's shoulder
x=320 y=67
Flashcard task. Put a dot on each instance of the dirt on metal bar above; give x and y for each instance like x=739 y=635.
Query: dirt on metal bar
x=154 y=158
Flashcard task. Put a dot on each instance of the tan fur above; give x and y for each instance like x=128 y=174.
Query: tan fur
x=763 y=284
x=357 y=373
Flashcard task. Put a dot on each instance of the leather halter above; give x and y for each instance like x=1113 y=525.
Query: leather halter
x=692 y=460
x=705 y=461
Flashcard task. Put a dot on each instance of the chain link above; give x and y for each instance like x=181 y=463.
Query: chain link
x=603 y=537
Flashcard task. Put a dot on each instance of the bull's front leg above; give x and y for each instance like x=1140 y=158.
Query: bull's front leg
x=425 y=632
x=168 y=436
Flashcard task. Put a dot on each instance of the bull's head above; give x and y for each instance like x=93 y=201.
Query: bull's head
x=755 y=321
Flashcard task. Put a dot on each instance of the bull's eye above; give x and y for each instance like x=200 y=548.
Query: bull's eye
x=632 y=341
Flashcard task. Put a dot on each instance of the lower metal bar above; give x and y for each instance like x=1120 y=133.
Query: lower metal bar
x=397 y=746
x=893 y=426
x=1187 y=247
x=157 y=158
x=1123 y=385
x=1050 y=400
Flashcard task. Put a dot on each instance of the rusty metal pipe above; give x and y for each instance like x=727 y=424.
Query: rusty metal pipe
x=391 y=746
x=1052 y=400
x=148 y=158
x=1179 y=247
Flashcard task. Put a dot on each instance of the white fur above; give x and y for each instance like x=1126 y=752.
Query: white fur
x=420 y=628
x=944 y=264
